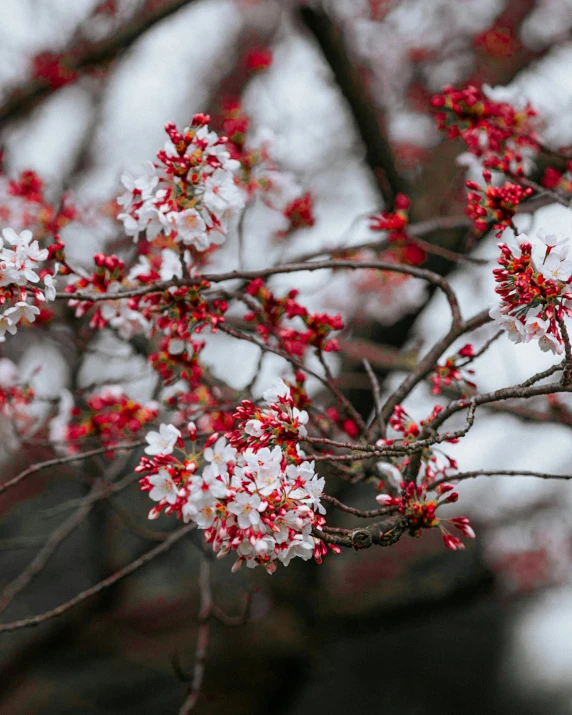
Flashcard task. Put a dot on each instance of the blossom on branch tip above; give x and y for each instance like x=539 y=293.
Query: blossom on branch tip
x=163 y=441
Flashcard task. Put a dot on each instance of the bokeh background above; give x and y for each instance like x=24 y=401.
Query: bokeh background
x=344 y=104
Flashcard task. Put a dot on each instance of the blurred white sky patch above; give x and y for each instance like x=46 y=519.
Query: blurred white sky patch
x=28 y=27
x=166 y=76
x=539 y=657
x=49 y=140
x=549 y=21
x=547 y=85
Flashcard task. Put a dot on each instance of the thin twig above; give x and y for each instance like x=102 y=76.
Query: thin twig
x=102 y=585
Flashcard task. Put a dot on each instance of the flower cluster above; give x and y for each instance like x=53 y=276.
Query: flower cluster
x=534 y=285
x=19 y=278
x=494 y=204
x=452 y=371
x=15 y=398
x=107 y=278
x=420 y=511
x=561 y=181
x=189 y=195
x=260 y=176
x=282 y=423
x=254 y=503
x=270 y=312
x=395 y=222
x=403 y=248
x=109 y=416
x=495 y=132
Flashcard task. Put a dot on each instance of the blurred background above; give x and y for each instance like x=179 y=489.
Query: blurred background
x=338 y=92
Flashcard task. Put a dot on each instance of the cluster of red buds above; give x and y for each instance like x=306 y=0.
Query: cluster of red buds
x=453 y=371
x=494 y=131
x=109 y=417
x=419 y=511
x=394 y=222
x=494 y=204
x=557 y=180
x=299 y=213
x=281 y=423
x=270 y=312
x=54 y=68
x=258 y=59
x=535 y=290
x=23 y=205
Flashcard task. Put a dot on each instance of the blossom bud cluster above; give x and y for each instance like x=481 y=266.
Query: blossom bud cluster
x=534 y=285
x=270 y=314
x=257 y=502
x=260 y=176
x=453 y=371
x=494 y=204
x=20 y=294
x=282 y=423
x=24 y=206
x=420 y=511
x=108 y=417
x=495 y=132
x=190 y=194
x=403 y=248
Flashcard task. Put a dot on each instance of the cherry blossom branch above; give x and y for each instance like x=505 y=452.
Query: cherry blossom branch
x=506 y=393
x=102 y=585
x=362 y=513
x=427 y=364
x=378 y=534
x=460 y=476
x=422 y=273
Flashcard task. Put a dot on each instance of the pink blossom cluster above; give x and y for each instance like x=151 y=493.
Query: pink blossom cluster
x=420 y=511
x=282 y=423
x=190 y=194
x=257 y=503
x=20 y=260
x=534 y=285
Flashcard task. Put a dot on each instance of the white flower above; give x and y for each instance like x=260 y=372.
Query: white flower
x=254 y=428
x=163 y=486
x=279 y=389
x=6 y=326
x=302 y=416
x=49 y=287
x=190 y=227
x=513 y=326
x=548 y=343
x=15 y=239
x=171 y=266
x=390 y=472
x=535 y=327
x=552 y=240
x=219 y=456
x=247 y=508
x=221 y=195
x=163 y=441
x=556 y=269
x=22 y=310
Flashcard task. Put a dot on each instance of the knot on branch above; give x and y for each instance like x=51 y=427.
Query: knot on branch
x=377 y=535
